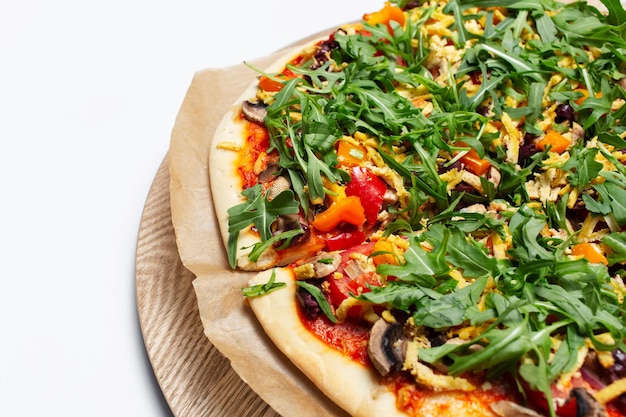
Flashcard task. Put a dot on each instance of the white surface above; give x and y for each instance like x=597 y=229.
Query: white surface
x=88 y=96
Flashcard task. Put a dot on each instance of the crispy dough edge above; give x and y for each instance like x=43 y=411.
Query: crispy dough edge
x=352 y=386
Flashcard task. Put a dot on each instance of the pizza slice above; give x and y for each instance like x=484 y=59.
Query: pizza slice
x=435 y=196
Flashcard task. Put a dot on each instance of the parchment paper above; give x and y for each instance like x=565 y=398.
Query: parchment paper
x=228 y=322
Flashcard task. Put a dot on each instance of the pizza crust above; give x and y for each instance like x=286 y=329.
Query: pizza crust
x=351 y=385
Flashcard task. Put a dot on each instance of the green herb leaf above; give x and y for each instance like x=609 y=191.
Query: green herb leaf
x=262 y=289
x=319 y=297
x=259 y=212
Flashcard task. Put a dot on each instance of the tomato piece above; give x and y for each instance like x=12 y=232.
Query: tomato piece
x=341 y=288
x=370 y=189
x=345 y=240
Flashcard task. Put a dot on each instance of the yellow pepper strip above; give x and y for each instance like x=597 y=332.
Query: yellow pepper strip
x=348 y=210
x=611 y=392
x=387 y=257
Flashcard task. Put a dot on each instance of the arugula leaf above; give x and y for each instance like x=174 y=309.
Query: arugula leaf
x=261 y=247
x=449 y=309
x=617 y=242
x=259 y=212
x=582 y=166
x=319 y=297
x=421 y=267
x=525 y=226
x=262 y=289
x=462 y=251
x=397 y=294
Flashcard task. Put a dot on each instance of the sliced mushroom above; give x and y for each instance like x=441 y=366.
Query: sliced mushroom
x=386 y=347
x=586 y=404
x=254 y=111
x=269 y=173
x=279 y=185
x=319 y=266
x=510 y=409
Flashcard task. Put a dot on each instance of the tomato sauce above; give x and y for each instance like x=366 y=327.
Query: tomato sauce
x=411 y=398
x=257 y=141
x=348 y=338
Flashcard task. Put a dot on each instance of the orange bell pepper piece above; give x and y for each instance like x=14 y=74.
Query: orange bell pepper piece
x=386 y=15
x=473 y=162
x=558 y=142
x=590 y=251
x=348 y=210
x=349 y=154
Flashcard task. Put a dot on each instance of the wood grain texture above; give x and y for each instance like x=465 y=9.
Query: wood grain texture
x=196 y=379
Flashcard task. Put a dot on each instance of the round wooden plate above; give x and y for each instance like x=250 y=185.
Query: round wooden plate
x=196 y=379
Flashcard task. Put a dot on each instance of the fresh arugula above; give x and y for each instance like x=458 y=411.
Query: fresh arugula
x=263 y=289
x=258 y=211
x=319 y=298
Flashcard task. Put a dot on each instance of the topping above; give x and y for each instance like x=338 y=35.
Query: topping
x=510 y=409
x=370 y=189
x=254 y=111
x=319 y=266
x=478 y=154
x=554 y=142
x=586 y=404
x=348 y=210
x=385 y=16
x=386 y=347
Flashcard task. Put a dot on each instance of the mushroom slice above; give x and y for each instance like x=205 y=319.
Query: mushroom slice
x=510 y=409
x=254 y=111
x=279 y=185
x=319 y=266
x=586 y=404
x=386 y=347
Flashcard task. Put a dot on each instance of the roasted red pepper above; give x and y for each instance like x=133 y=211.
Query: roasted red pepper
x=345 y=240
x=370 y=189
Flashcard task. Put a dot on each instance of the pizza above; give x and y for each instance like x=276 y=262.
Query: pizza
x=431 y=206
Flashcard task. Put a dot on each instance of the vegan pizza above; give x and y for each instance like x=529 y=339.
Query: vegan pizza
x=432 y=202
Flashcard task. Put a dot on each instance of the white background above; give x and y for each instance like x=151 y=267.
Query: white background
x=89 y=92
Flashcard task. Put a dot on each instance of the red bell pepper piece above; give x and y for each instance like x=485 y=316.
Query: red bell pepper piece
x=345 y=240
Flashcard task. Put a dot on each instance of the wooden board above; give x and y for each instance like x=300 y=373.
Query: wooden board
x=196 y=379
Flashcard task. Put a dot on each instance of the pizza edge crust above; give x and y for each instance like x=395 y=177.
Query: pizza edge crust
x=351 y=385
